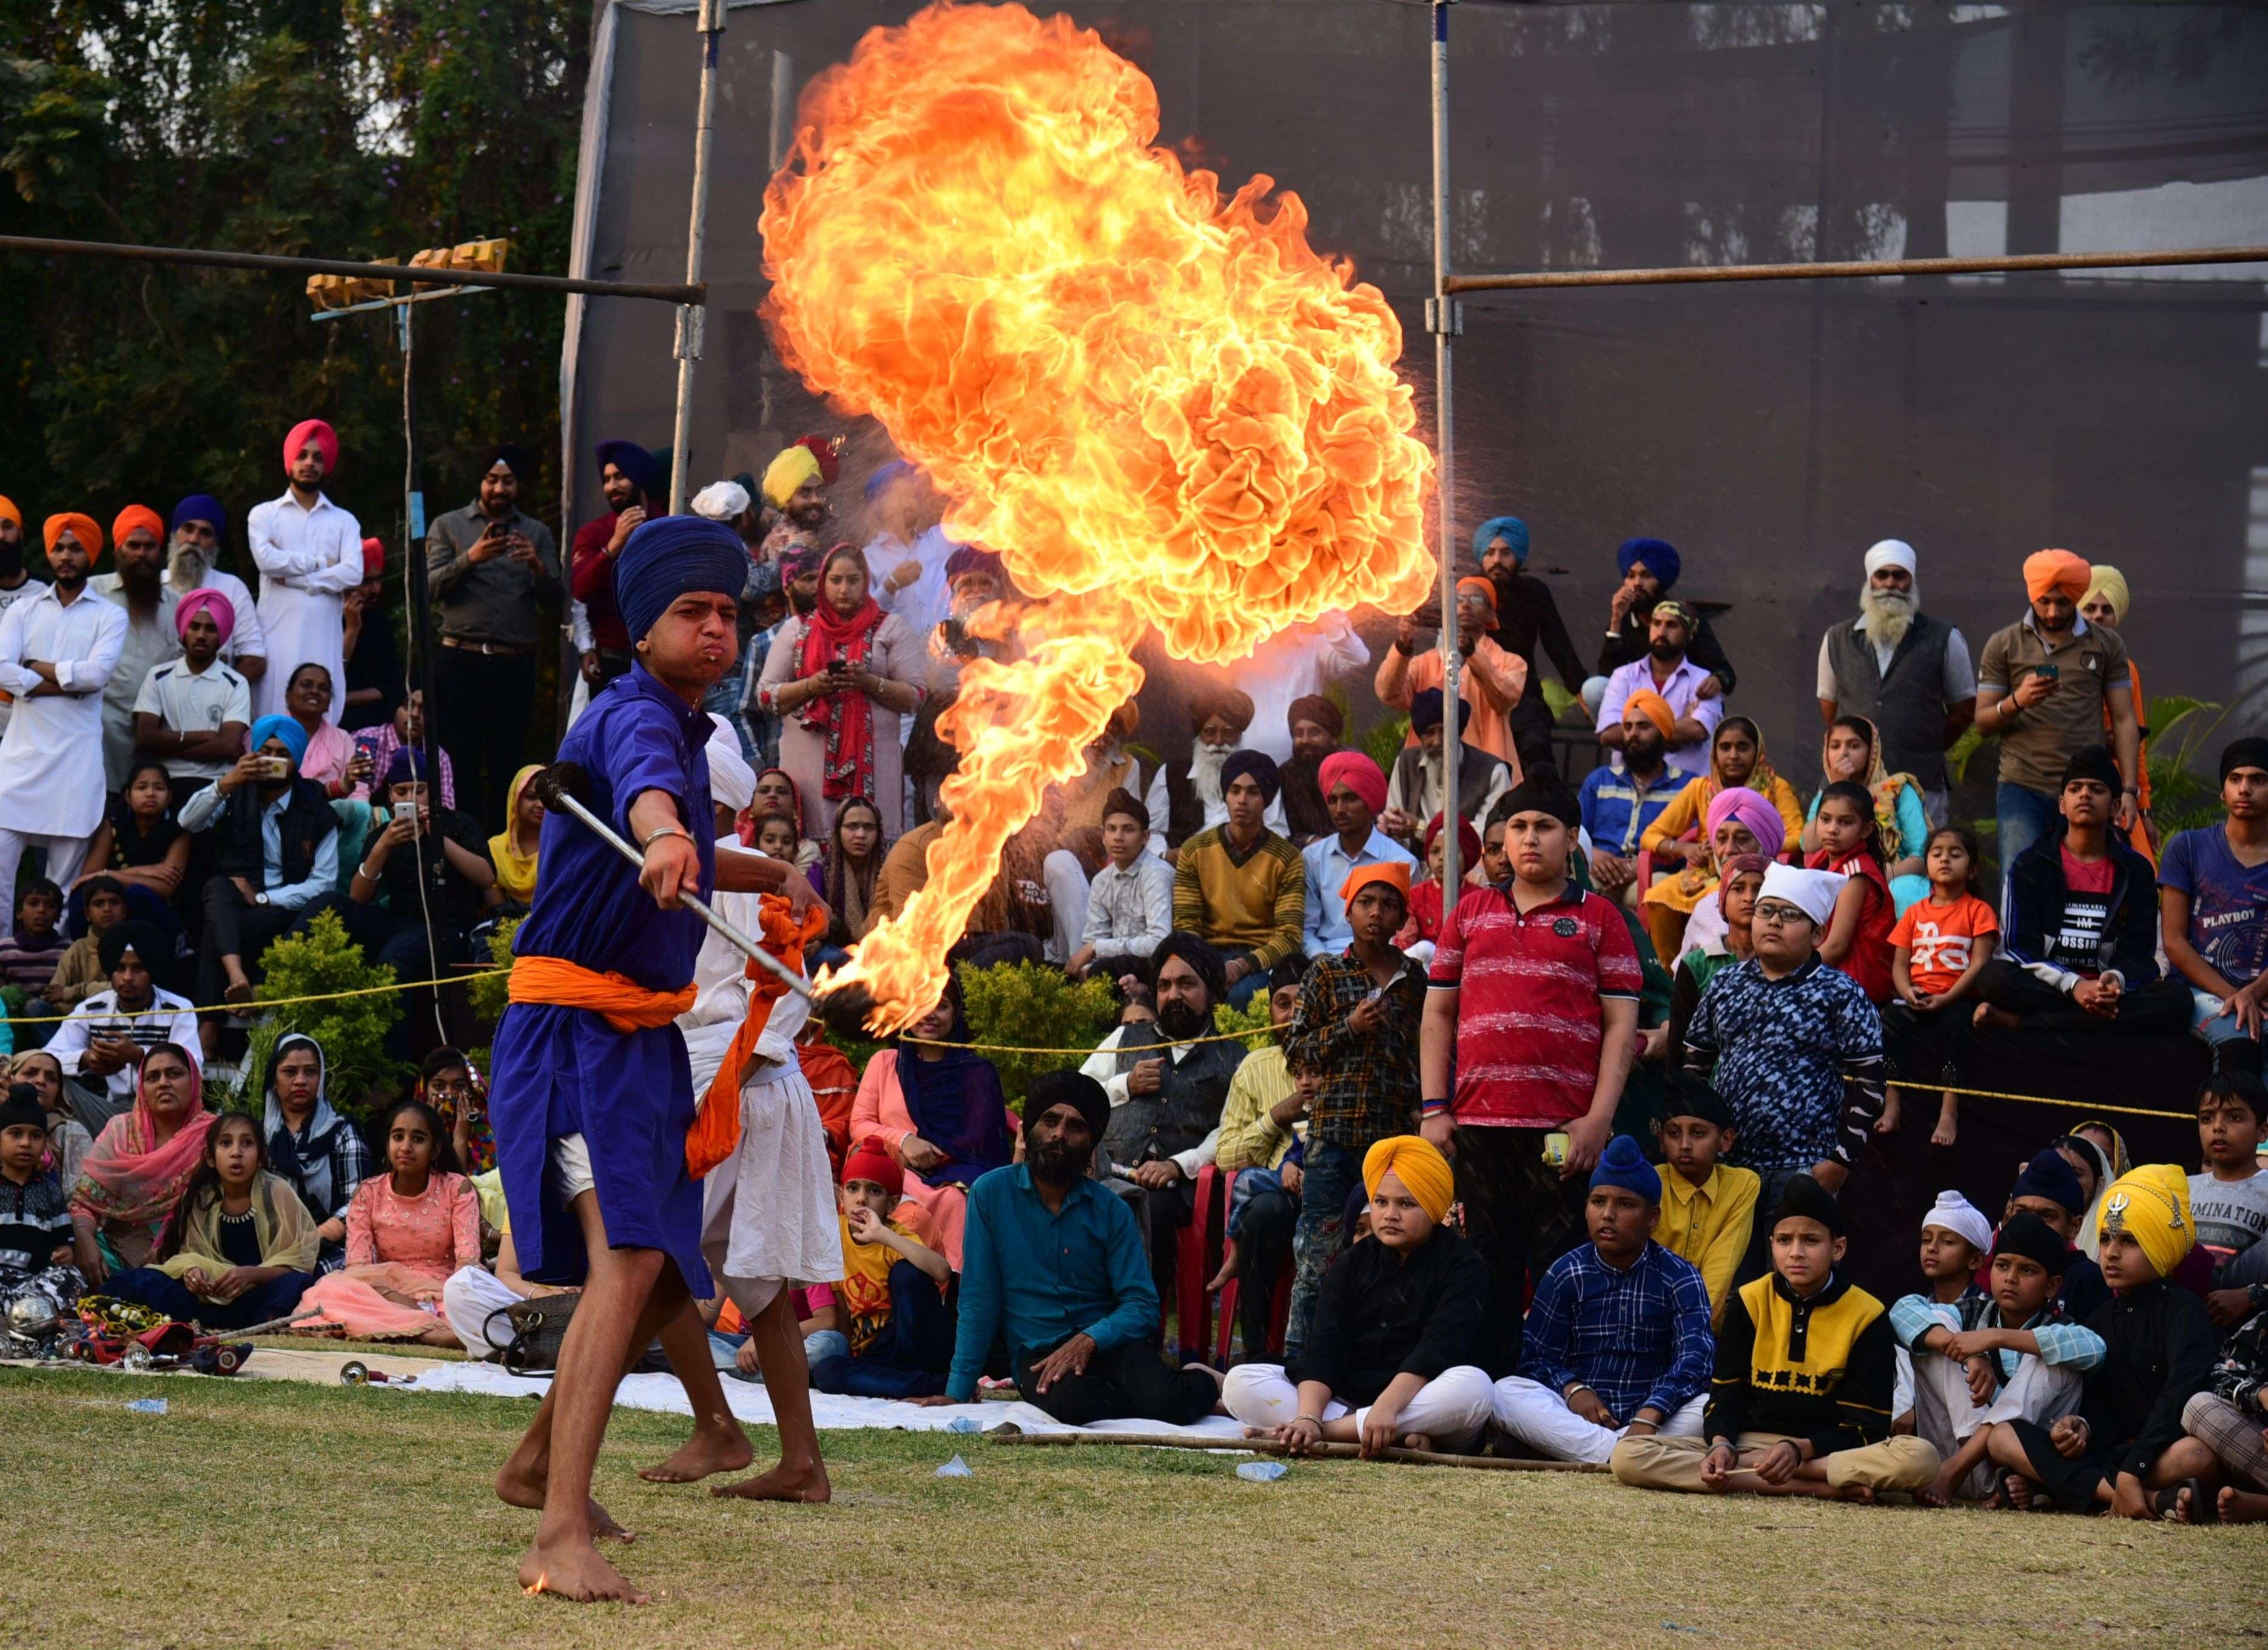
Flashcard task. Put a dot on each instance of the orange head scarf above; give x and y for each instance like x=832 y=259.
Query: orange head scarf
x=2058 y=571
x=82 y=528
x=137 y=516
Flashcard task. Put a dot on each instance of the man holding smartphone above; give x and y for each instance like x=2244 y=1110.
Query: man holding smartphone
x=2041 y=688
x=491 y=565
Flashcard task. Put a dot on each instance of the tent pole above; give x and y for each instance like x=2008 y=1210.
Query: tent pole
x=711 y=27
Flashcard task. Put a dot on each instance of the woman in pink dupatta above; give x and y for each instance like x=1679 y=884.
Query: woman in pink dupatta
x=334 y=761
x=134 y=1174
x=408 y=1231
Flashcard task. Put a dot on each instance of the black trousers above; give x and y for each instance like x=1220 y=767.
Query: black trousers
x=1931 y=1049
x=481 y=719
x=1264 y=1246
x=234 y=927
x=1126 y=1383
x=2160 y=1009
x=1521 y=1217
x=1161 y=1212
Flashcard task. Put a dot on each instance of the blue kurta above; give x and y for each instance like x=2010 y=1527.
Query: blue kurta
x=562 y=1071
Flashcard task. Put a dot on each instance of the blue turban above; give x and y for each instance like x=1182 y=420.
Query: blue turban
x=1512 y=530
x=1622 y=1164
x=968 y=559
x=202 y=507
x=1256 y=763
x=283 y=728
x=2052 y=1177
x=896 y=470
x=1659 y=555
x=673 y=556
x=1425 y=711
x=408 y=766
x=631 y=458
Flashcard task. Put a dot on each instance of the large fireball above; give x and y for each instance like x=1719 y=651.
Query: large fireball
x=1162 y=407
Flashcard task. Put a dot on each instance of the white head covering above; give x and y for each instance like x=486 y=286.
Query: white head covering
x=1957 y=1215
x=721 y=501
x=732 y=781
x=1887 y=552
x=1811 y=891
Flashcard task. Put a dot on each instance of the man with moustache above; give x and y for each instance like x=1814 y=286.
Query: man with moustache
x=16 y=581
x=795 y=485
x=1527 y=622
x=137 y=585
x=627 y=477
x=309 y=553
x=193 y=563
x=1908 y=674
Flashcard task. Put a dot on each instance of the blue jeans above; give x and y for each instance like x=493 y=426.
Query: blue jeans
x=1242 y=993
x=146 y=1285
x=2024 y=817
x=909 y=1359
x=1330 y=1173
x=1251 y=1183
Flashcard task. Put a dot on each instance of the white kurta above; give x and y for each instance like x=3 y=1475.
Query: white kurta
x=308 y=559
x=51 y=757
x=150 y=642
x=1304 y=660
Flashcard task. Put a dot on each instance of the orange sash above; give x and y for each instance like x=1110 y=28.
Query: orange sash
x=715 y=1132
x=625 y=1004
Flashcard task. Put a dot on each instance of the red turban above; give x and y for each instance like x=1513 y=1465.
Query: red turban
x=374 y=557
x=1469 y=841
x=223 y=613
x=318 y=432
x=80 y=527
x=872 y=1161
x=1357 y=773
x=2056 y=571
x=828 y=451
x=137 y=516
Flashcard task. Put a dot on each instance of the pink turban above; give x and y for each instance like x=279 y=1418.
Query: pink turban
x=374 y=557
x=223 y=610
x=2055 y=570
x=315 y=431
x=1357 y=773
x=1753 y=811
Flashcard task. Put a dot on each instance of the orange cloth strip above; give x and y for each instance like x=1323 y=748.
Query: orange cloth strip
x=715 y=1132
x=625 y=1004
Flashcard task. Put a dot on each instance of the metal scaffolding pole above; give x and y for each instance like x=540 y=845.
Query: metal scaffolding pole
x=1441 y=314
x=711 y=25
x=1861 y=270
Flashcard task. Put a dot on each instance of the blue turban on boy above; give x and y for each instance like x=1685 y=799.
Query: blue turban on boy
x=1659 y=557
x=1256 y=765
x=283 y=727
x=2052 y=1177
x=673 y=556
x=1622 y=1165
x=407 y=768
x=1512 y=530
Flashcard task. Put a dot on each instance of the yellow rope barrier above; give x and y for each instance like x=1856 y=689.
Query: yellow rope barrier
x=1173 y=1043
x=2043 y=1099
x=277 y=1002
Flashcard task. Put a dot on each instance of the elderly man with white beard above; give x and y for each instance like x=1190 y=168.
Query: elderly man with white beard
x=1908 y=674
x=192 y=563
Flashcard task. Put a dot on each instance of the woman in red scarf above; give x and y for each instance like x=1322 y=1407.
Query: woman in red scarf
x=135 y=1173
x=839 y=679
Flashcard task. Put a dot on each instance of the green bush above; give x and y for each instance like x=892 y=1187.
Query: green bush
x=491 y=992
x=352 y=1030
x=1025 y=1006
x=1252 y=1019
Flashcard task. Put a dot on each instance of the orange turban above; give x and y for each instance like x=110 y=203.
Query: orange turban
x=1653 y=707
x=9 y=511
x=2056 y=571
x=80 y=527
x=1393 y=872
x=1482 y=588
x=1416 y=1162
x=137 y=516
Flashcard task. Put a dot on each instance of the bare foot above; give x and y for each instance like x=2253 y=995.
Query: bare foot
x=575 y=1573
x=440 y=1335
x=2242 y=1506
x=520 y=1484
x=1939 y=1493
x=1988 y=1018
x=1232 y=1266
x=783 y=1483
x=1862 y=1493
x=710 y=1449
x=1887 y=1123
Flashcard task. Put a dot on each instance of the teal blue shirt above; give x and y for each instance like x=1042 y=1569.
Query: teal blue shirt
x=1039 y=1278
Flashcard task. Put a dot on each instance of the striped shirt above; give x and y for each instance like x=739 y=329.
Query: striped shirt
x=1254 y=903
x=1529 y=986
x=2072 y=1345
x=166 y=1019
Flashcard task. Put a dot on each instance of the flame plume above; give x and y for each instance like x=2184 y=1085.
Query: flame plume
x=1161 y=407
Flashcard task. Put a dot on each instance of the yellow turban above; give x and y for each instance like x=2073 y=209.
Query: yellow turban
x=2108 y=582
x=2151 y=1204
x=789 y=471
x=1419 y=1165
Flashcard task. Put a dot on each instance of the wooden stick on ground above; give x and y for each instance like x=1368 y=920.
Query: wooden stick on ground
x=1268 y=1446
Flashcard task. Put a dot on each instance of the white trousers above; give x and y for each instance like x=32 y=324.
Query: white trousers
x=1451 y=1409
x=468 y=1299
x=1539 y=1418
x=1946 y=1416
x=1067 y=891
x=65 y=856
x=768 y=1212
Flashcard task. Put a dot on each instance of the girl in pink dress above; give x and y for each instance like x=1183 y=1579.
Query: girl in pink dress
x=406 y=1231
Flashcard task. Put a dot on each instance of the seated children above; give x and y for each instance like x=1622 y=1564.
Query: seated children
x=1857 y=937
x=1708 y=1207
x=2017 y=1357
x=2125 y=1449
x=1800 y=1400
x=1130 y=904
x=2229 y=1197
x=890 y=1304
x=79 y=974
x=1387 y=1360
x=2231 y=1417
x=1616 y=1343
x=240 y=1247
x=408 y=1232
x=1938 y=949
x=29 y=954
x=2048 y=1188
x=35 y=1223
x=1955 y=1238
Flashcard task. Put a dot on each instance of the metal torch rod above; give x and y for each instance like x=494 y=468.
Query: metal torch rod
x=731 y=935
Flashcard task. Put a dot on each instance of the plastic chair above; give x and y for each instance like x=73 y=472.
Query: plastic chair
x=1646 y=861
x=1279 y=1314
x=1197 y=1248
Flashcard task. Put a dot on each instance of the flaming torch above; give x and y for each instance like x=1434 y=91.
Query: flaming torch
x=1163 y=408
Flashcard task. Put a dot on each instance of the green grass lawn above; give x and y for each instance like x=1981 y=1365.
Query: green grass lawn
x=257 y=1514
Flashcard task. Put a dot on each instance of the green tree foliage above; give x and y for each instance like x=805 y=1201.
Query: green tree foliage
x=302 y=127
x=1024 y=1006
x=1251 y=1020
x=351 y=1030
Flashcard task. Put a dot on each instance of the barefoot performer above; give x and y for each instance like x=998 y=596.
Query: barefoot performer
x=592 y=1094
